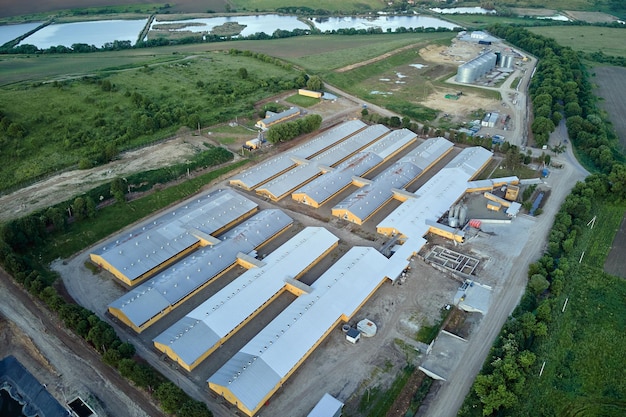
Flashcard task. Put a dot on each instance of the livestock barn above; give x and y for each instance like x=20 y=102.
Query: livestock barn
x=150 y=248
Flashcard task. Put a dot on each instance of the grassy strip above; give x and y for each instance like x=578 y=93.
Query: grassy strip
x=113 y=218
x=302 y=101
x=376 y=401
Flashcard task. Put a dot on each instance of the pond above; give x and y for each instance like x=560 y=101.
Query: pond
x=10 y=32
x=462 y=10
x=267 y=23
x=384 y=22
x=91 y=33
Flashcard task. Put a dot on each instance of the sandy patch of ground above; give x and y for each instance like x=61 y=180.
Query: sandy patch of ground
x=72 y=183
x=459 y=109
x=457 y=53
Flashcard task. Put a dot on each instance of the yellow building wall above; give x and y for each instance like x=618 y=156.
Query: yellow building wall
x=101 y=262
x=447 y=234
x=346 y=215
x=309 y=93
x=479 y=189
x=494 y=206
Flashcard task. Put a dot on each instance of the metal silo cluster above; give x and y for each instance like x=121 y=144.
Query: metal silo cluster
x=476 y=68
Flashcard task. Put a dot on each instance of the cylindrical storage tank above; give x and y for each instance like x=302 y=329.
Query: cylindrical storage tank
x=366 y=327
x=462 y=215
x=457 y=208
x=453 y=222
x=345 y=328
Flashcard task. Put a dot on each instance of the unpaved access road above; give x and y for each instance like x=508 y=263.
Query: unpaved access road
x=74 y=368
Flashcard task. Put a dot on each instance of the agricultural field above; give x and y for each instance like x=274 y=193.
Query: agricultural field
x=330 y=5
x=611 y=88
x=88 y=120
x=586 y=39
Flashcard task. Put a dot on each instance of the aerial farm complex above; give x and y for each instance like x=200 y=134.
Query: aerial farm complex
x=167 y=261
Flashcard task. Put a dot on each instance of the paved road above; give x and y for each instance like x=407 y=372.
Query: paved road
x=79 y=367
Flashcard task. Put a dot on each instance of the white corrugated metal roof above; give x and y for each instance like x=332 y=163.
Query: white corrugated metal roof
x=146 y=247
x=304 y=172
x=435 y=197
x=324 y=187
x=182 y=278
x=228 y=308
x=328 y=406
x=274 y=352
x=258 y=174
x=277 y=116
x=365 y=201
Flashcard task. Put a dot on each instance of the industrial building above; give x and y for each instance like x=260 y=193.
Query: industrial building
x=419 y=214
x=262 y=366
x=307 y=169
x=147 y=249
x=189 y=341
x=470 y=71
x=272 y=118
x=333 y=181
x=374 y=194
x=254 y=177
x=147 y=303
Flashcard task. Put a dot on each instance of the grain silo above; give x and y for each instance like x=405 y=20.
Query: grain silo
x=508 y=60
x=476 y=68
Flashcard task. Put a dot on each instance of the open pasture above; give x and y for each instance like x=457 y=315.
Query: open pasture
x=586 y=38
x=85 y=120
x=611 y=87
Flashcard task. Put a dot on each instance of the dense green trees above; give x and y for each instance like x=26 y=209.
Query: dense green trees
x=283 y=132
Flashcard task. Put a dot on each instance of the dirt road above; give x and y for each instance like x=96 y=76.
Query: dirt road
x=77 y=369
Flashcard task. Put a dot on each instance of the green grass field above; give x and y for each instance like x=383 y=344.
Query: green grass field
x=587 y=38
x=74 y=121
x=302 y=101
x=583 y=375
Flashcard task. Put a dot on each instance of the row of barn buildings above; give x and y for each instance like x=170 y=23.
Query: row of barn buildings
x=169 y=260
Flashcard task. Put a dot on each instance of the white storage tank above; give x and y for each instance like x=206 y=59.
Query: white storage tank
x=367 y=328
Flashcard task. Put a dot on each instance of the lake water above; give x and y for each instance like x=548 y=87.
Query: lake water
x=10 y=32
x=92 y=33
x=104 y=31
x=267 y=23
x=462 y=10
x=384 y=22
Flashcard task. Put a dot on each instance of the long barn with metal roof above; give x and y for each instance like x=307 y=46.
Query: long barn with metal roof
x=322 y=188
x=193 y=338
x=263 y=365
x=252 y=178
x=374 y=194
x=149 y=302
x=419 y=214
x=148 y=249
x=306 y=170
